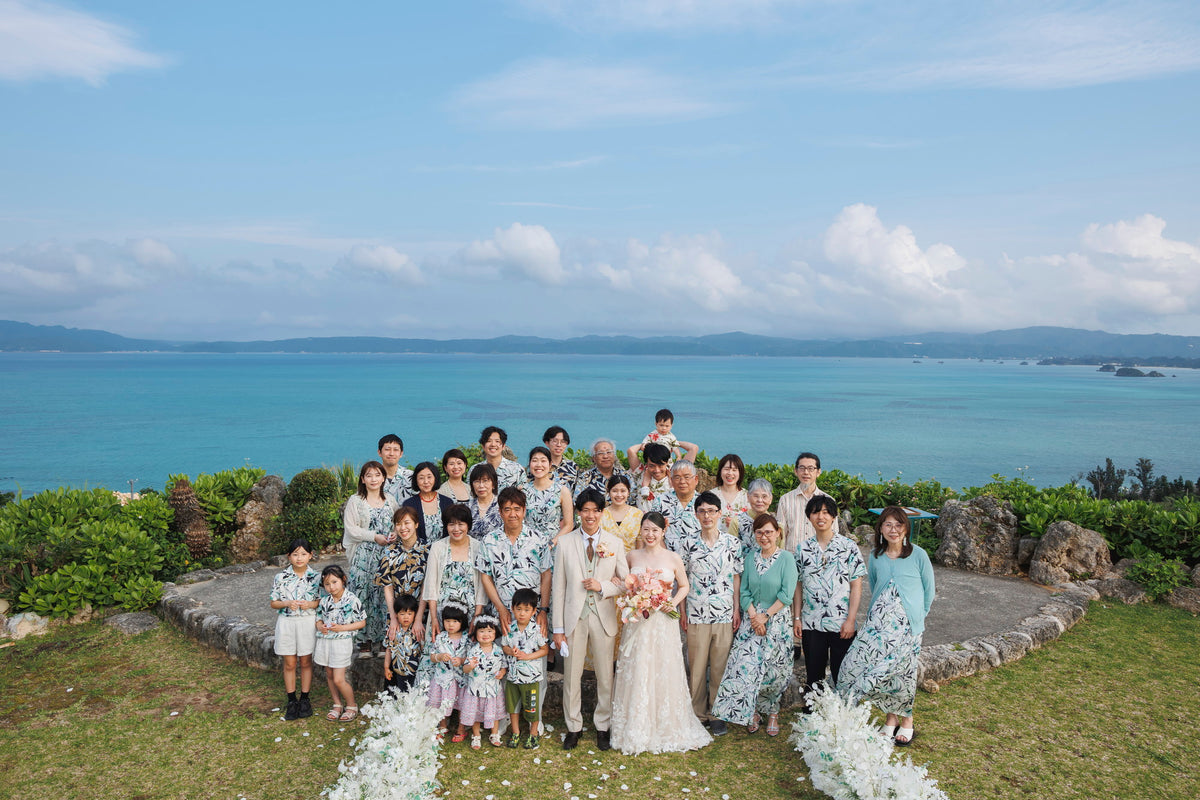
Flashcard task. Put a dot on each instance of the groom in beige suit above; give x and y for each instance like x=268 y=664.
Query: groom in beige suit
x=589 y=571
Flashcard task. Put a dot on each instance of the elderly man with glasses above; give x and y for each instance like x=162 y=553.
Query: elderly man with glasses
x=604 y=459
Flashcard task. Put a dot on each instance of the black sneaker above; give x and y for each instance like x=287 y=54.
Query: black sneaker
x=305 y=709
x=718 y=727
x=293 y=710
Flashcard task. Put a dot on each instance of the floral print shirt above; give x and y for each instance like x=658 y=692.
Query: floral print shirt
x=745 y=523
x=399 y=486
x=593 y=478
x=825 y=576
x=566 y=474
x=510 y=473
x=667 y=440
x=647 y=496
x=711 y=571
x=485 y=521
x=403 y=570
x=290 y=586
x=682 y=524
x=347 y=610
x=513 y=566
x=405 y=651
x=483 y=681
x=446 y=674
x=528 y=640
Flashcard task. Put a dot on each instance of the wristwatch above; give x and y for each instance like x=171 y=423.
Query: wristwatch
x=545 y=609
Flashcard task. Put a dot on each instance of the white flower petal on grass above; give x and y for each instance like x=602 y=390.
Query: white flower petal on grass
x=482 y=767
x=279 y=738
x=692 y=773
x=466 y=782
x=174 y=713
x=537 y=761
x=505 y=783
x=625 y=788
x=273 y=710
x=567 y=786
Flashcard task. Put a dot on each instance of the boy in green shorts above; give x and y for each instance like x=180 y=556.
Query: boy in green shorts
x=526 y=648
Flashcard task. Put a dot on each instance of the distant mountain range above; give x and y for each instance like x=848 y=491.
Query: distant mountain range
x=1040 y=342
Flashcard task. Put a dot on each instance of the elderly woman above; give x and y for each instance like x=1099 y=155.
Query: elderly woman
x=759 y=494
x=485 y=511
x=881 y=665
x=454 y=467
x=426 y=501
x=565 y=471
x=731 y=474
x=760 y=661
x=604 y=468
x=402 y=569
x=367 y=530
x=451 y=575
x=550 y=510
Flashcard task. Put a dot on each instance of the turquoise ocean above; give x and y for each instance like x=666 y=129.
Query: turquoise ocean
x=89 y=420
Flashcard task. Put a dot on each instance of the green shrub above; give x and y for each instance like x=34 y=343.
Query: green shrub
x=311 y=510
x=64 y=549
x=221 y=494
x=1159 y=576
x=315 y=486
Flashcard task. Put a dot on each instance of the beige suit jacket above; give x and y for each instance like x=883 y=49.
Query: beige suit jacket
x=571 y=567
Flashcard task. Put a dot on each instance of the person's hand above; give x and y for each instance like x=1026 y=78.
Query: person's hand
x=381 y=539
x=470 y=665
x=737 y=617
x=592 y=585
x=506 y=618
x=543 y=623
x=559 y=641
x=847 y=631
x=683 y=622
x=456 y=661
x=393 y=628
x=797 y=627
x=387 y=673
x=322 y=627
x=418 y=629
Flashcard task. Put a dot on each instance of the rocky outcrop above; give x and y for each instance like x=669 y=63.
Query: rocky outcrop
x=133 y=624
x=705 y=482
x=1185 y=597
x=979 y=536
x=1121 y=589
x=1025 y=549
x=1068 y=552
x=864 y=536
x=266 y=501
x=19 y=626
x=1196 y=576
x=1119 y=568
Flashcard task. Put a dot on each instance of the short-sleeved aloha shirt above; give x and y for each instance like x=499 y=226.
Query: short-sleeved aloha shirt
x=825 y=577
x=682 y=524
x=405 y=651
x=340 y=612
x=528 y=640
x=482 y=681
x=403 y=569
x=513 y=566
x=399 y=486
x=290 y=586
x=510 y=473
x=711 y=571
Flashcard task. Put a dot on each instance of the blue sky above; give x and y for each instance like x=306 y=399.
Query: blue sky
x=557 y=167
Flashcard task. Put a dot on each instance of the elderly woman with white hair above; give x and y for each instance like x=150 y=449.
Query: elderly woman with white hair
x=759 y=493
x=604 y=467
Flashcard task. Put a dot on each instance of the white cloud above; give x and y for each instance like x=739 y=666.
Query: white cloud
x=44 y=40
x=50 y=275
x=382 y=260
x=859 y=240
x=557 y=94
x=526 y=250
x=687 y=267
x=1141 y=239
x=152 y=253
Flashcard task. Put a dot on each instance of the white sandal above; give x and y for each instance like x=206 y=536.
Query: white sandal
x=908 y=733
x=476 y=741
x=889 y=731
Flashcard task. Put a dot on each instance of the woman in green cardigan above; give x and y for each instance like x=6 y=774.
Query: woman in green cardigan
x=760 y=661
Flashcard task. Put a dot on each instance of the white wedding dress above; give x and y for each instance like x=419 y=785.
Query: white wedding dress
x=652 y=706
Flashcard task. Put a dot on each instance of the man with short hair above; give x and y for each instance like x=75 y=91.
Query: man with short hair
x=678 y=506
x=793 y=521
x=397 y=480
x=713 y=561
x=605 y=466
x=589 y=572
x=508 y=472
x=655 y=475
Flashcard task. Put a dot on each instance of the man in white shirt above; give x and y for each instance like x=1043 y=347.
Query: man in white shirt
x=791 y=510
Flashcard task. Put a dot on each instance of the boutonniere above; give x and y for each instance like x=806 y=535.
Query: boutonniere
x=603 y=551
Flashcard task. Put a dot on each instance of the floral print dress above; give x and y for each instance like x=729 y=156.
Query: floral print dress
x=484 y=521
x=544 y=511
x=759 y=667
x=361 y=576
x=881 y=665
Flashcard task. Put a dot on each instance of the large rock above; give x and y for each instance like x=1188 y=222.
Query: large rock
x=133 y=624
x=266 y=501
x=1196 y=576
x=1121 y=589
x=1068 y=552
x=979 y=535
x=1026 y=546
x=19 y=626
x=1118 y=569
x=1185 y=597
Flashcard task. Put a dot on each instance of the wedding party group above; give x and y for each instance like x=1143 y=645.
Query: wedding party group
x=688 y=606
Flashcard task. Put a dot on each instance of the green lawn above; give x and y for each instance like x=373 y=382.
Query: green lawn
x=86 y=713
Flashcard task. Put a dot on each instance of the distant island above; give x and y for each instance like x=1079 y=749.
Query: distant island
x=1048 y=345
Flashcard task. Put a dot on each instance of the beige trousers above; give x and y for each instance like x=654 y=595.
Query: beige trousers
x=588 y=634
x=708 y=650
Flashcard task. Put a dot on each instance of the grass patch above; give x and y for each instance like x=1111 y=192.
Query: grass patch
x=1102 y=713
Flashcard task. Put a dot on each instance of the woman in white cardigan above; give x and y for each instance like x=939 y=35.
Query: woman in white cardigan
x=367 y=530
x=450 y=573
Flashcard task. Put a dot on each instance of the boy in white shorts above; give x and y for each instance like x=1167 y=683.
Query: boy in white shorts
x=295 y=595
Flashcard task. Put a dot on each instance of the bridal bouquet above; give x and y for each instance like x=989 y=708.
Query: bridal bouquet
x=645 y=593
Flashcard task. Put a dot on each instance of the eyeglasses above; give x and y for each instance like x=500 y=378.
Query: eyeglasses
x=604 y=452
x=803 y=468
x=708 y=511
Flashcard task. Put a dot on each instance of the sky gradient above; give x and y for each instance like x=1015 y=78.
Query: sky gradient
x=813 y=169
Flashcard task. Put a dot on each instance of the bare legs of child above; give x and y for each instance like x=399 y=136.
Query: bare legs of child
x=340 y=690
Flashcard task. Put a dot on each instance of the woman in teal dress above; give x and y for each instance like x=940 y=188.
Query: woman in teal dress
x=368 y=530
x=881 y=665
x=760 y=661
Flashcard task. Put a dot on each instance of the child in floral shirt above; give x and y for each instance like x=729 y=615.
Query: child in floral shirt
x=295 y=595
x=481 y=701
x=525 y=646
x=402 y=652
x=448 y=652
x=339 y=614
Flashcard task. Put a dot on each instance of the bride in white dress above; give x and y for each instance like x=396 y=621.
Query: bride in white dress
x=652 y=707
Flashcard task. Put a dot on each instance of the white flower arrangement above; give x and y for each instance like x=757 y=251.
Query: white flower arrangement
x=397 y=756
x=849 y=758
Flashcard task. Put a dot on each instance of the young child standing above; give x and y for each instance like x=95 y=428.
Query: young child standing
x=402 y=652
x=525 y=646
x=448 y=652
x=295 y=594
x=339 y=615
x=481 y=701
x=664 y=420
